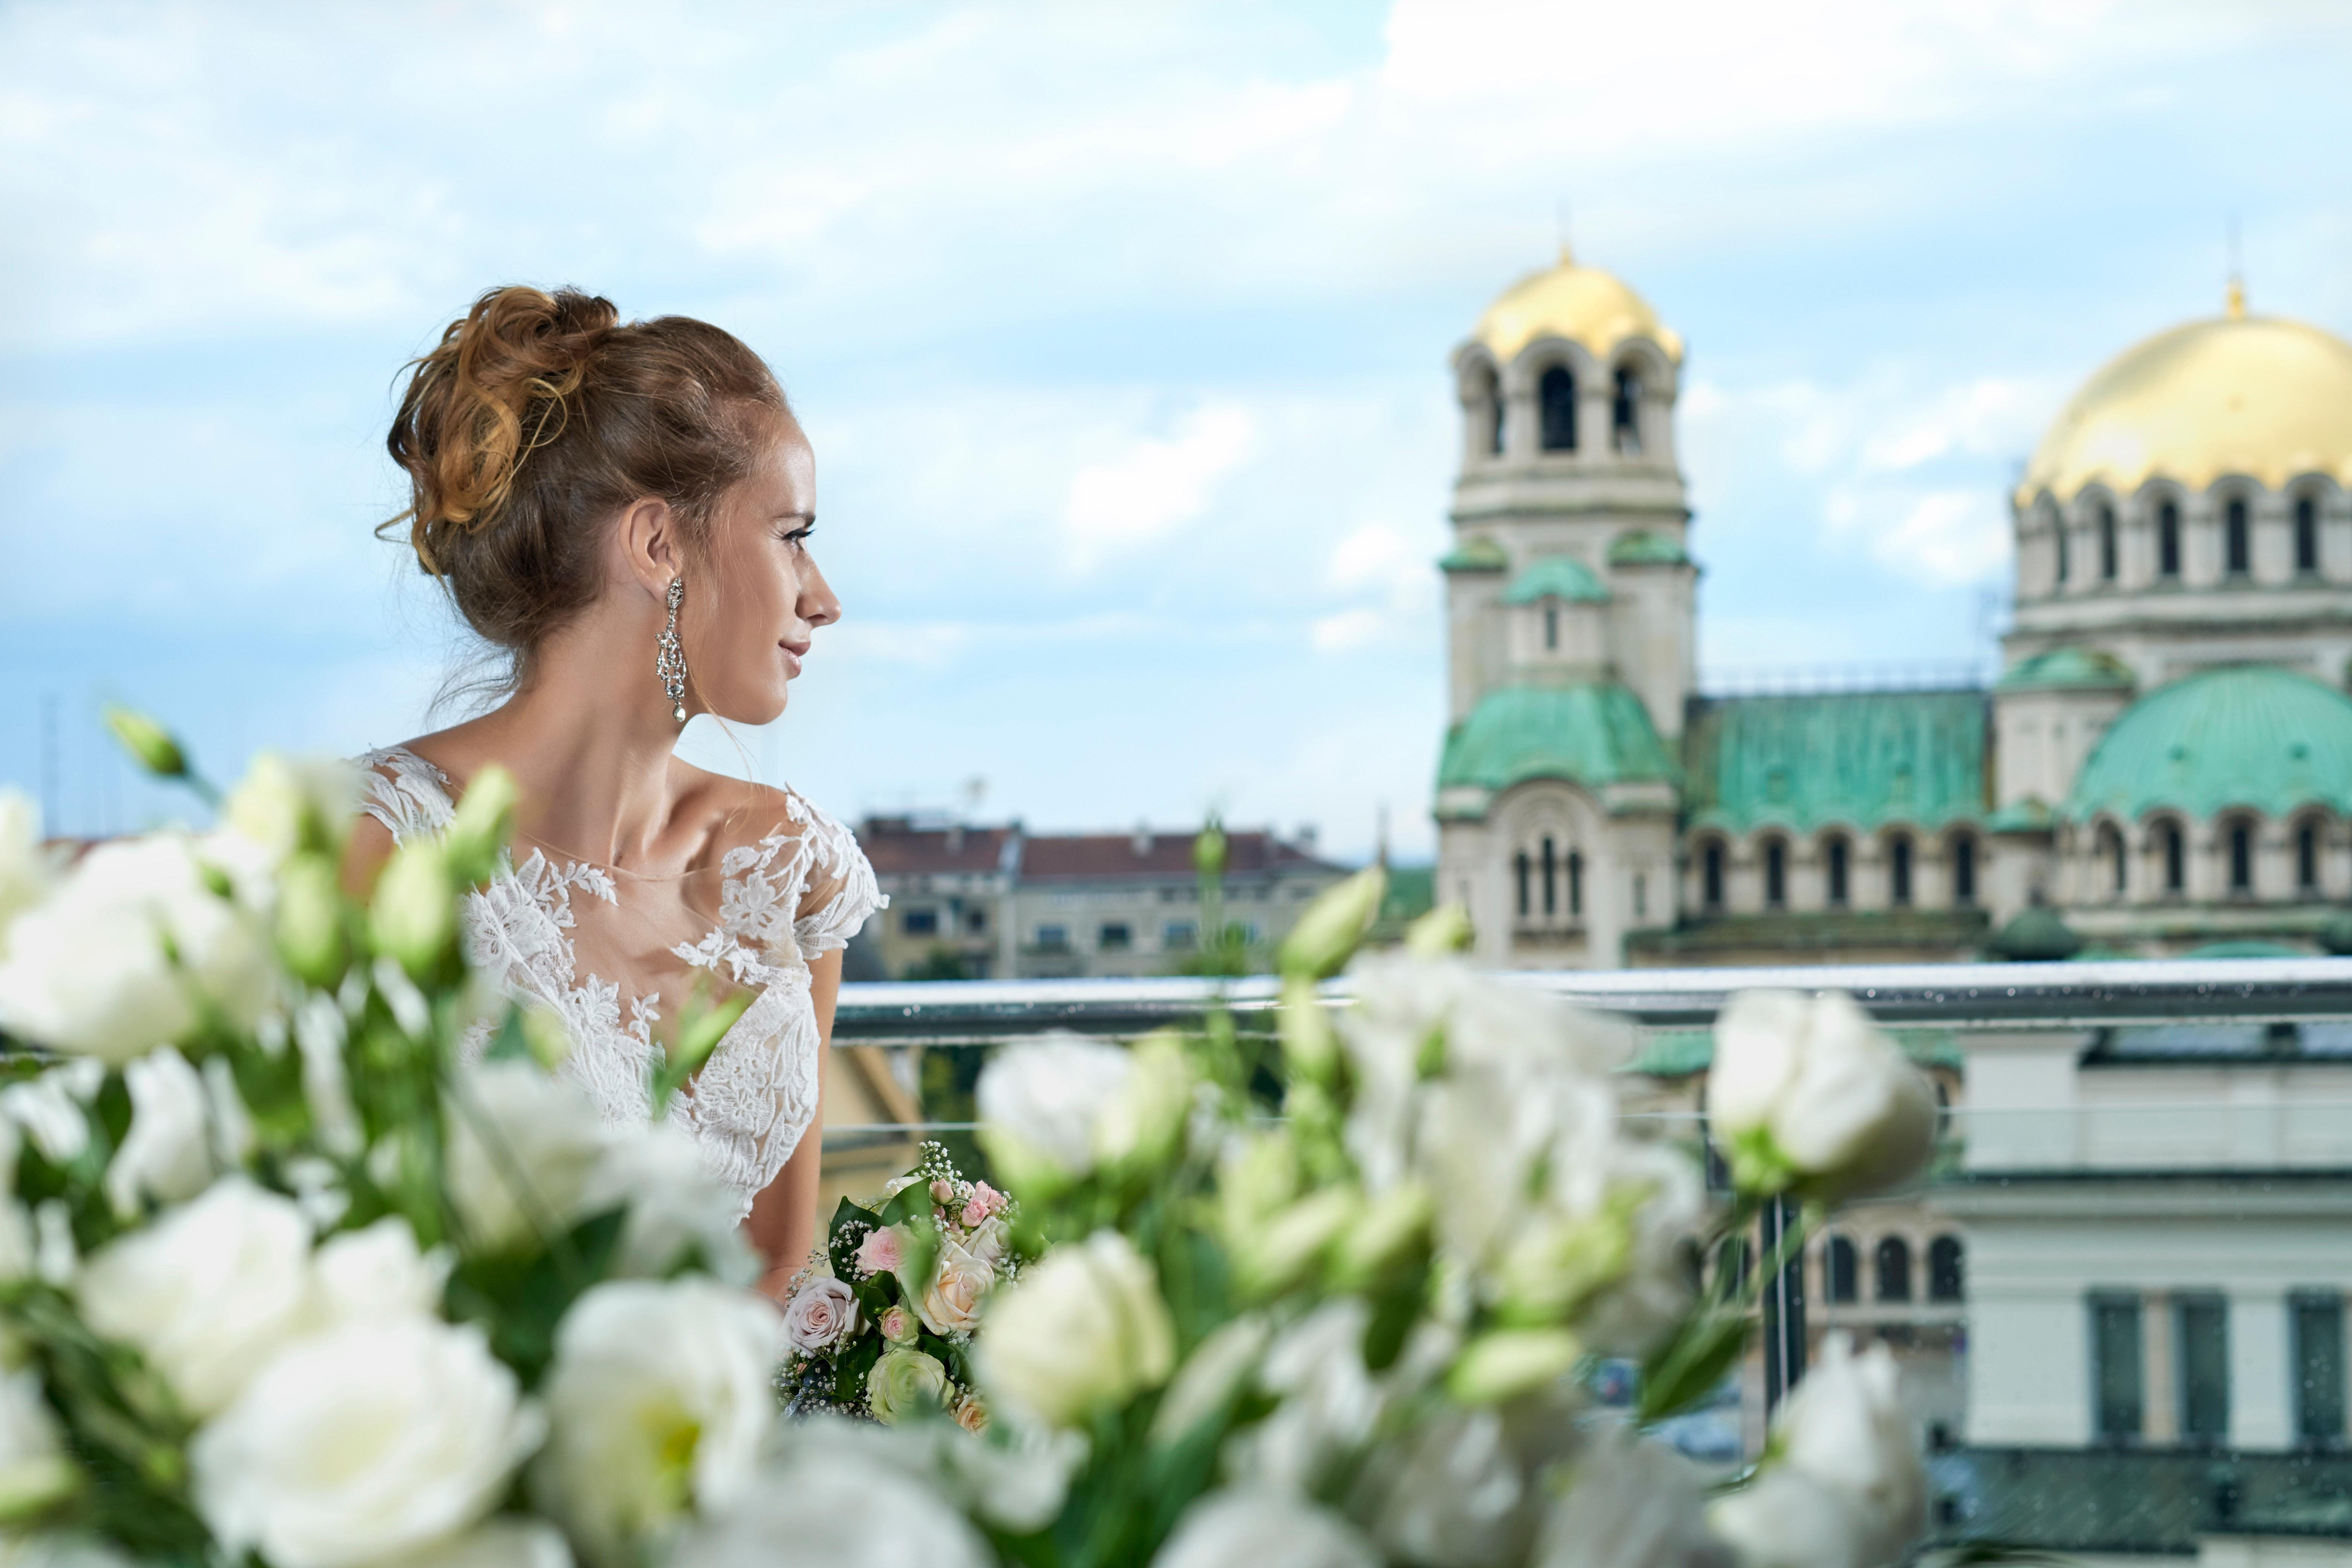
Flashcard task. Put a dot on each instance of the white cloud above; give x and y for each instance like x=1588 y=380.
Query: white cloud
x=1346 y=630
x=1154 y=485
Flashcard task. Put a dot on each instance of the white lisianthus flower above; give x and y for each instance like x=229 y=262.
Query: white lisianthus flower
x=1083 y=1327
x=905 y=1381
x=284 y=804
x=820 y=1314
x=1631 y=1503
x=1211 y=1376
x=502 y=1540
x=1810 y=1093
x=949 y=1304
x=208 y=1292
x=659 y=1174
x=49 y=1110
x=1848 y=1485
x=1329 y=1403
x=167 y=1154
x=378 y=1274
x=26 y=870
x=367 y=1442
x=1448 y=1492
x=1145 y=1119
x=835 y=1497
x=1264 y=1528
x=34 y=1468
x=523 y=1149
x=1040 y=1100
x=658 y=1399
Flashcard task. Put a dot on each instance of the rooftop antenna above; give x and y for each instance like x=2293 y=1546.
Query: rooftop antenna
x=2237 y=288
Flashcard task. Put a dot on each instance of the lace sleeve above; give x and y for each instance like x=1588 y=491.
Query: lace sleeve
x=840 y=894
x=404 y=792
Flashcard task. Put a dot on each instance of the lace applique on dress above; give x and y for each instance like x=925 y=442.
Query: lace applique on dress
x=787 y=899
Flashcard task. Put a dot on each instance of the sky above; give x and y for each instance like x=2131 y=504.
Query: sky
x=1120 y=334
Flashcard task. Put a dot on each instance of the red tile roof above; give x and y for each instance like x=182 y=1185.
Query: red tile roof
x=897 y=847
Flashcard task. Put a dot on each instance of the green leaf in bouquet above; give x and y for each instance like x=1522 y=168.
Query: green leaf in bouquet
x=519 y=1298
x=704 y=1027
x=1692 y=1365
x=851 y=1366
x=1395 y=1310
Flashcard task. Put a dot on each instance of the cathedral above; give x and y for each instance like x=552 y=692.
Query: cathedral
x=2164 y=766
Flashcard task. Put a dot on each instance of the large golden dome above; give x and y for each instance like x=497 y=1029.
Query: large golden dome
x=1582 y=304
x=2256 y=395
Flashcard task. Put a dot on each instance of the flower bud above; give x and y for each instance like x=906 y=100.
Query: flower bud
x=310 y=921
x=1552 y=1268
x=1443 y=930
x=1277 y=1255
x=1505 y=1362
x=148 y=743
x=1209 y=851
x=1327 y=933
x=1383 y=1236
x=414 y=916
x=484 y=822
x=1309 y=1045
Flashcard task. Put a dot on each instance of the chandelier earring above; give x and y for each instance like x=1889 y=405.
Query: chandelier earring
x=669 y=659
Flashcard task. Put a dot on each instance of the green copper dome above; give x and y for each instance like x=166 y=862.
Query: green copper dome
x=2244 y=735
x=1594 y=734
x=1643 y=547
x=2068 y=669
x=1556 y=577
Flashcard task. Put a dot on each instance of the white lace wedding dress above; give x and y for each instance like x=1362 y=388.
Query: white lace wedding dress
x=800 y=891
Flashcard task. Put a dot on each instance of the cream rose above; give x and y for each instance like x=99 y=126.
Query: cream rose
x=208 y=1292
x=363 y=1443
x=950 y=1303
x=905 y=1382
x=1082 y=1329
x=822 y=1312
x=658 y=1399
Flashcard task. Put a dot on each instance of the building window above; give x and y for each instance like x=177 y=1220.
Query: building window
x=1894 y=1260
x=2307 y=858
x=1551 y=880
x=1710 y=876
x=2306 y=536
x=2058 y=533
x=2118 y=1404
x=2317 y=1329
x=1841 y=1276
x=2167 y=540
x=1180 y=936
x=1493 y=410
x=1641 y=895
x=2237 y=548
x=2242 y=857
x=1576 y=882
x=1556 y=397
x=1899 y=872
x=2176 y=858
x=975 y=920
x=1520 y=869
x=1114 y=936
x=2111 y=844
x=2107 y=542
x=920 y=923
x=1625 y=422
x=1052 y=939
x=1964 y=872
x=2201 y=1332
x=1945 y=1281
x=1551 y=629
x=1834 y=857
x=1776 y=875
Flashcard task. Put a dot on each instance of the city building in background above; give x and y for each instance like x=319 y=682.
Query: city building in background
x=997 y=902
x=2166 y=763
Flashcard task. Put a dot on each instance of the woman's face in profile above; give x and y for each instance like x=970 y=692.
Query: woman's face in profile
x=748 y=628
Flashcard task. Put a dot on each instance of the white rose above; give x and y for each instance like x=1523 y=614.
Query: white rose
x=950 y=1303
x=26 y=869
x=658 y=1399
x=834 y=1499
x=1848 y=1484
x=904 y=1383
x=503 y=1540
x=659 y=1174
x=34 y=1469
x=1811 y=1093
x=523 y=1148
x=167 y=1154
x=363 y=1443
x=819 y=1314
x=378 y=1275
x=1629 y=1504
x=1083 y=1327
x=1264 y=1529
x=208 y=1292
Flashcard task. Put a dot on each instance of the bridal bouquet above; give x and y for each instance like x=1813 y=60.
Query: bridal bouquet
x=883 y=1327
x=281 y=1280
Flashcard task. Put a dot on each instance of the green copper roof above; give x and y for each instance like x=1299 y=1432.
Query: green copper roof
x=1643 y=547
x=1594 y=734
x=1555 y=577
x=2069 y=669
x=1474 y=555
x=2031 y=815
x=1863 y=759
x=2040 y=934
x=2250 y=735
x=1678 y=1053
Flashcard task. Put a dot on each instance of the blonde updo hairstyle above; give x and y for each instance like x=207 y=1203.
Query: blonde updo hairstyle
x=537 y=419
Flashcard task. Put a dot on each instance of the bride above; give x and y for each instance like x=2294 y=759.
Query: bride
x=623 y=511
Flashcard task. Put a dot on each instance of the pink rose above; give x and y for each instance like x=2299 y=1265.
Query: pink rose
x=975 y=1215
x=983 y=1194
x=882 y=1251
x=898 y=1325
x=941 y=1192
x=821 y=1314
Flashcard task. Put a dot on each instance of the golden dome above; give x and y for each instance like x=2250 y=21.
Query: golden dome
x=1582 y=304
x=2256 y=395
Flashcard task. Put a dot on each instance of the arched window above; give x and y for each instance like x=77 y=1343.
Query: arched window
x=2058 y=533
x=1551 y=629
x=1556 y=399
x=2242 y=857
x=2307 y=858
x=1576 y=882
x=1898 y=871
x=1493 y=410
x=2107 y=542
x=1519 y=865
x=2237 y=546
x=1710 y=875
x=2167 y=539
x=1964 y=872
x=1776 y=874
x=1833 y=863
x=1893 y=1269
x=1841 y=1270
x=1550 y=879
x=2306 y=536
x=1625 y=420
x=1945 y=1282
x=2176 y=857
x=2111 y=844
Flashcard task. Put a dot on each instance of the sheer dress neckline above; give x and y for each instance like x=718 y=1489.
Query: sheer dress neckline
x=800 y=891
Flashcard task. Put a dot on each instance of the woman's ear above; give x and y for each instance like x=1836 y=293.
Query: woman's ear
x=648 y=544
